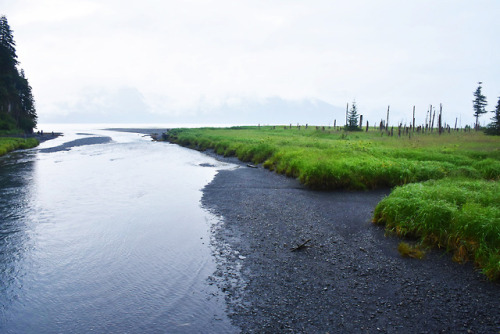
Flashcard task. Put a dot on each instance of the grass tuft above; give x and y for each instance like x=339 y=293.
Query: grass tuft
x=407 y=250
x=459 y=215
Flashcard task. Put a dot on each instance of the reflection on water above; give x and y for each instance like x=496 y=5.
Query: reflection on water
x=107 y=238
x=16 y=173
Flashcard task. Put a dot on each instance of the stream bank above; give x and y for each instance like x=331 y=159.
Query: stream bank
x=350 y=279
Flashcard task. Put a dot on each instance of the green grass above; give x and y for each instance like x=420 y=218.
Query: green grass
x=460 y=215
x=359 y=160
x=8 y=144
x=407 y=250
x=447 y=186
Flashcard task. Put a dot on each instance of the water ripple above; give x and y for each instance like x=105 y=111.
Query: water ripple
x=107 y=238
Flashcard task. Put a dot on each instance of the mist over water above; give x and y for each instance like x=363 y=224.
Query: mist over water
x=109 y=238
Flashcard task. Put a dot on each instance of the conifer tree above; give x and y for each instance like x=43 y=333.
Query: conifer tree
x=7 y=41
x=494 y=127
x=353 y=117
x=17 y=105
x=479 y=103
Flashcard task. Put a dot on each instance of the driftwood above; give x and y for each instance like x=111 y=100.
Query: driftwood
x=301 y=246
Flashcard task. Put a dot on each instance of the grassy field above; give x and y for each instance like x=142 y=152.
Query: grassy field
x=357 y=160
x=459 y=166
x=8 y=144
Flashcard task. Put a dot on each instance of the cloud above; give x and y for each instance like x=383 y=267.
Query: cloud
x=30 y=12
x=192 y=56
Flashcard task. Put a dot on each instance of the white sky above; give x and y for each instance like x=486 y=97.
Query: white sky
x=186 y=57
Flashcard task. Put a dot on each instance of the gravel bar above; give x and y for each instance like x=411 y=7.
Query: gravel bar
x=77 y=142
x=350 y=280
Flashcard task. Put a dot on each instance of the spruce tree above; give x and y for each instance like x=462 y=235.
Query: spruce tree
x=7 y=41
x=353 y=117
x=479 y=103
x=17 y=105
x=494 y=127
x=26 y=115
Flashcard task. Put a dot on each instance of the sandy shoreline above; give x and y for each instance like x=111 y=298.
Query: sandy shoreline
x=351 y=279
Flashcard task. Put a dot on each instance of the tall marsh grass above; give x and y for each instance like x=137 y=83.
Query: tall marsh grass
x=460 y=215
x=359 y=160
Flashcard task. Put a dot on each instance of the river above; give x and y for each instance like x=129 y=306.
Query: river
x=107 y=238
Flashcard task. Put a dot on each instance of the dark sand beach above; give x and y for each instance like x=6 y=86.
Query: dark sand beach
x=350 y=280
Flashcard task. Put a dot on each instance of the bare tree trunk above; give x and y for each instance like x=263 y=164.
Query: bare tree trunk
x=426 y=120
x=430 y=116
x=433 y=116
x=387 y=122
x=346 y=112
x=440 y=118
x=413 y=118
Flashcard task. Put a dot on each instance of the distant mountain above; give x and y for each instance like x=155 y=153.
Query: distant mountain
x=274 y=110
x=127 y=105
x=98 y=105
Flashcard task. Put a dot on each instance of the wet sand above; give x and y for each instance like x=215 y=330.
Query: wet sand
x=352 y=278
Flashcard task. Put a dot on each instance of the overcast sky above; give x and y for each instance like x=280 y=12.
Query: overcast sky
x=183 y=59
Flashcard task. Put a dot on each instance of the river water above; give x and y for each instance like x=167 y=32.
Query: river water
x=107 y=238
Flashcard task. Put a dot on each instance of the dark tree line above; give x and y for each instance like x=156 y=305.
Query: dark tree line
x=17 y=105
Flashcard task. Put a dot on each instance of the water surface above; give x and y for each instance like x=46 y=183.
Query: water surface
x=109 y=238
